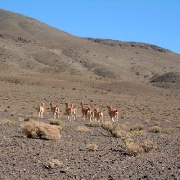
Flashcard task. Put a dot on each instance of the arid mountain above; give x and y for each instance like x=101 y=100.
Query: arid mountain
x=28 y=45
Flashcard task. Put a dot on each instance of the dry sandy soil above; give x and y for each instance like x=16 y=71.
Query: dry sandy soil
x=43 y=64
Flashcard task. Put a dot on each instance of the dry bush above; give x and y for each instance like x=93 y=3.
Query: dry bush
x=155 y=129
x=65 y=128
x=107 y=125
x=120 y=126
x=55 y=122
x=35 y=129
x=148 y=145
x=132 y=148
x=82 y=129
x=156 y=123
x=92 y=147
x=54 y=163
x=28 y=118
x=169 y=130
x=8 y=122
x=117 y=127
x=137 y=127
x=178 y=126
x=94 y=124
x=146 y=121
x=122 y=134
x=139 y=133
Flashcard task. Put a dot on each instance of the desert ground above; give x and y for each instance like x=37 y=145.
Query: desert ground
x=40 y=64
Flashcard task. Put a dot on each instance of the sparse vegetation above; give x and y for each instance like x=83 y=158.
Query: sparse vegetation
x=178 y=126
x=169 y=130
x=156 y=123
x=35 y=129
x=8 y=122
x=132 y=148
x=155 y=129
x=122 y=134
x=82 y=129
x=139 y=133
x=107 y=125
x=137 y=127
x=92 y=147
x=146 y=121
x=55 y=163
x=148 y=145
x=55 y=122
x=94 y=124
x=28 y=118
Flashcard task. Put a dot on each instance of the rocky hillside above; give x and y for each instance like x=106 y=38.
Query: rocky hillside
x=30 y=46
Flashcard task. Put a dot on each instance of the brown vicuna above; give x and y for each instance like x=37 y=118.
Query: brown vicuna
x=55 y=110
x=113 y=113
x=98 y=115
x=71 y=111
x=86 y=111
x=41 y=110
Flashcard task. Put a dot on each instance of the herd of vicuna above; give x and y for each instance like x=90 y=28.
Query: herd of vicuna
x=87 y=113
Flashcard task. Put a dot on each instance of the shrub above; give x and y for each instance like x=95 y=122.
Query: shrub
x=55 y=122
x=82 y=129
x=55 y=163
x=169 y=130
x=148 y=145
x=120 y=126
x=139 y=133
x=136 y=127
x=107 y=125
x=156 y=123
x=94 y=124
x=133 y=149
x=155 y=129
x=123 y=134
x=65 y=127
x=27 y=118
x=8 y=122
x=146 y=121
x=178 y=126
x=35 y=129
x=92 y=147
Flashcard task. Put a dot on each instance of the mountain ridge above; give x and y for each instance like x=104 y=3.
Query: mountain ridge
x=37 y=47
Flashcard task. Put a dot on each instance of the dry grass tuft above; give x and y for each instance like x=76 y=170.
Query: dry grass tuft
x=146 y=121
x=55 y=122
x=139 y=133
x=8 y=122
x=148 y=145
x=120 y=126
x=156 y=123
x=169 y=130
x=28 y=118
x=54 y=163
x=94 y=124
x=35 y=129
x=137 y=127
x=82 y=129
x=107 y=125
x=122 y=134
x=155 y=129
x=132 y=148
x=178 y=126
x=92 y=147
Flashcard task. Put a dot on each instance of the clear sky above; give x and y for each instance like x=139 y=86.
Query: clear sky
x=150 y=21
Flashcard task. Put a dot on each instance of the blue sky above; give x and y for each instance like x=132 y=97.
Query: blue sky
x=149 y=21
